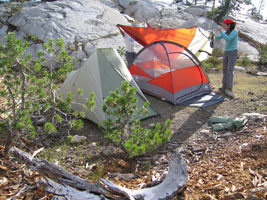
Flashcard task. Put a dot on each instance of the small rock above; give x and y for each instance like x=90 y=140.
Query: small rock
x=244 y=147
x=261 y=73
x=108 y=151
x=77 y=139
x=254 y=115
x=205 y=131
x=239 y=68
x=93 y=144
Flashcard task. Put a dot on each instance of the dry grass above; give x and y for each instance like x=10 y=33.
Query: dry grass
x=245 y=85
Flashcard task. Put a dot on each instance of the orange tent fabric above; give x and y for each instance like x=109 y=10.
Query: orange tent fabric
x=147 y=35
x=181 y=75
x=170 y=71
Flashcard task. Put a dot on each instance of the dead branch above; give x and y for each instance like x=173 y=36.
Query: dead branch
x=69 y=185
x=174 y=182
x=54 y=172
x=63 y=192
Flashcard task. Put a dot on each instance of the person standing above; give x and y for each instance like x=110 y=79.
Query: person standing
x=230 y=35
x=129 y=48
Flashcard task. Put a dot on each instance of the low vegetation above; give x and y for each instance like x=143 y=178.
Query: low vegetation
x=131 y=137
x=32 y=104
x=215 y=61
x=263 y=56
x=28 y=90
x=30 y=107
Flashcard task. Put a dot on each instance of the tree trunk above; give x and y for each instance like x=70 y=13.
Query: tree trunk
x=261 y=4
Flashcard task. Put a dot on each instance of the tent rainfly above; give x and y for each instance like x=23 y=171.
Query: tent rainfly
x=170 y=71
x=101 y=73
x=196 y=39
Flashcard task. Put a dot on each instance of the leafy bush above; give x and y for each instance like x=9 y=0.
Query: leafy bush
x=124 y=130
x=28 y=89
x=218 y=53
x=263 y=55
x=244 y=61
x=211 y=63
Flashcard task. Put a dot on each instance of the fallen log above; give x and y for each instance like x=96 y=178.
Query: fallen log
x=69 y=186
x=63 y=192
x=55 y=172
x=173 y=183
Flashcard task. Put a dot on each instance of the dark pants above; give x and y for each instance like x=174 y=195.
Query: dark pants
x=229 y=60
x=129 y=57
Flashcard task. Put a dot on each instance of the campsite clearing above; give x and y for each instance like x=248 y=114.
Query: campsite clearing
x=220 y=164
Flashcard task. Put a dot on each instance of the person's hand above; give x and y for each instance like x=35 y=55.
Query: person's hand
x=219 y=28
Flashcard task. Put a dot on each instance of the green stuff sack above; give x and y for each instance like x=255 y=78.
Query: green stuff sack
x=218 y=127
x=222 y=123
x=214 y=119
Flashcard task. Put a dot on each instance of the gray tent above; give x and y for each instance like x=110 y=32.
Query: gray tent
x=101 y=73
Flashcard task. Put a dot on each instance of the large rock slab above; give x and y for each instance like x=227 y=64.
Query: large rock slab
x=89 y=24
x=164 y=14
x=254 y=31
x=243 y=46
x=77 y=22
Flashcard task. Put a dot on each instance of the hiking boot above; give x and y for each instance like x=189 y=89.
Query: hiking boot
x=221 y=89
x=229 y=94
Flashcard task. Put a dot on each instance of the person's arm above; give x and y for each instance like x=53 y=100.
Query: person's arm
x=230 y=36
x=218 y=37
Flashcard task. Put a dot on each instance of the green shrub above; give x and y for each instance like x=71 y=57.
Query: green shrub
x=125 y=131
x=28 y=89
x=218 y=53
x=211 y=63
x=263 y=55
x=244 y=61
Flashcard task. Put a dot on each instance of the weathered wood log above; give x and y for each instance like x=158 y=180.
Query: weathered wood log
x=63 y=192
x=68 y=185
x=175 y=181
x=55 y=172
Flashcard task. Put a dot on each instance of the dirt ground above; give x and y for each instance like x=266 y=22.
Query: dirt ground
x=228 y=164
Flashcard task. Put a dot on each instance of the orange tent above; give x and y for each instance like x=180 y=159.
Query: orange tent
x=169 y=71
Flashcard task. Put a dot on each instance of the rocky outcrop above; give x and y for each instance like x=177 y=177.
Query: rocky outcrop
x=175 y=15
x=86 y=25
